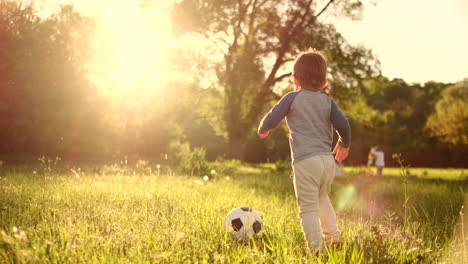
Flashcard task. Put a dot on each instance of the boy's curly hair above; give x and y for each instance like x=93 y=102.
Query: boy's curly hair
x=310 y=69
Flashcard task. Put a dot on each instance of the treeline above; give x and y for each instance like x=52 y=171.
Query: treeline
x=426 y=123
x=49 y=107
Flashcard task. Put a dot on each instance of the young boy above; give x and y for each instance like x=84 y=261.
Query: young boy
x=379 y=159
x=311 y=117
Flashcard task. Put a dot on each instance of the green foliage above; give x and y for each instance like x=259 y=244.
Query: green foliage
x=449 y=122
x=178 y=152
x=195 y=163
x=183 y=115
x=49 y=107
x=277 y=146
x=393 y=114
x=44 y=89
x=257 y=40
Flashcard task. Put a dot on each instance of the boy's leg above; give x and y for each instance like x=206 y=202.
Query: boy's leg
x=328 y=221
x=307 y=174
x=327 y=212
x=379 y=170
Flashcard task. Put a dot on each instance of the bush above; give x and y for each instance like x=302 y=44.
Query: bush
x=178 y=153
x=282 y=166
x=196 y=163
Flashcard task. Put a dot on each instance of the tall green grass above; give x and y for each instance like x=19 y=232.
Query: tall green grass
x=449 y=174
x=128 y=215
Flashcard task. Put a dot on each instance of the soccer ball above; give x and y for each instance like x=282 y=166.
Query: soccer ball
x=243 y=223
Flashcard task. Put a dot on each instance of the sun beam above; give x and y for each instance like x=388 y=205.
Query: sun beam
x=130 y=49
x=134 y=51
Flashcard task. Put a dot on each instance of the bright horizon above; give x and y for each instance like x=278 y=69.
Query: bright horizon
x=402 y=45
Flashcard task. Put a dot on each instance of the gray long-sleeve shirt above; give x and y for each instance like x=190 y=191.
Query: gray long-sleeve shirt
x=311 y=117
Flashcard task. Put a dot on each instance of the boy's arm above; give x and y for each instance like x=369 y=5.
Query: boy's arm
x=277 y=113
x=341 y=124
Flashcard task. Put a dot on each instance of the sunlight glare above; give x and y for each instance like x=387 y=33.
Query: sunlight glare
x=135 y=54
x=347 y=197
x=130 y=42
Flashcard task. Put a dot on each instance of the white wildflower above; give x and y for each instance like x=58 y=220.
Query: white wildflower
x=199 y=182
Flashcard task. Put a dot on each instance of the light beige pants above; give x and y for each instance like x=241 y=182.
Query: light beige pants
x=313 y=177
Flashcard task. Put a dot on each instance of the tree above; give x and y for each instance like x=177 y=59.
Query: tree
x=15 y=21
x=258 y=40
x=394 y=115
x=177 y=116
x=45 y=95
x=450 y=121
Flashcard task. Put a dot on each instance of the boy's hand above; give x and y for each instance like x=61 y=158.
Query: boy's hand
x=264 y=135
x=341 y=153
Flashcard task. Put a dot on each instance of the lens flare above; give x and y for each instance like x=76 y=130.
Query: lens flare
x=347 y=197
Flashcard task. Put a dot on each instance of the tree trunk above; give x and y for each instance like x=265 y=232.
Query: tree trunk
x=236 y=147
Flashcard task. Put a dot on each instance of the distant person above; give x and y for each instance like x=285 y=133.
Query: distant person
x=370 y=159
x=311 y=116
x=379 y=157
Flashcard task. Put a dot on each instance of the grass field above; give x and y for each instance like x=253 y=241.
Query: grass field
x=148 y=215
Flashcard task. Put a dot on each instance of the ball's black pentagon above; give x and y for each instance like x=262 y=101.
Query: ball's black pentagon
x=257 y=226
x=246 y=209
x=236 y=224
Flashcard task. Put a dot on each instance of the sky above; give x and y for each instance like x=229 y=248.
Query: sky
x=416 y=40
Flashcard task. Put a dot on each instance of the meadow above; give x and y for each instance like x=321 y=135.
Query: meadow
x=151 y=214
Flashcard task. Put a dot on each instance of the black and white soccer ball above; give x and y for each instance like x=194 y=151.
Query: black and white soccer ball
x=243 y=223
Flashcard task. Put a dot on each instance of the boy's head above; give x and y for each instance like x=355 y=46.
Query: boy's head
x=310 y=70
